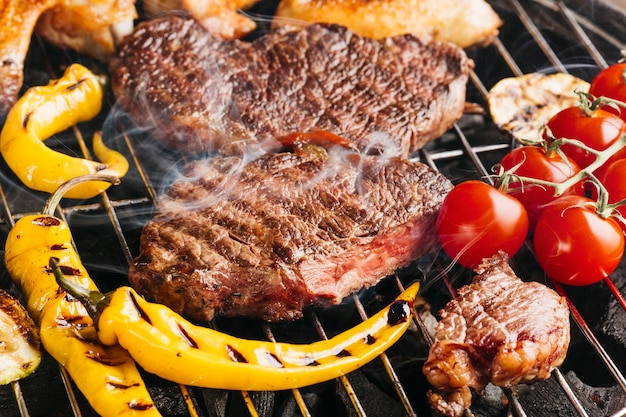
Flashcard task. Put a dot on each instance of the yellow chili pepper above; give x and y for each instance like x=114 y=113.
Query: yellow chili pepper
x=166 y=344
x=46 y=110
x=106 y=375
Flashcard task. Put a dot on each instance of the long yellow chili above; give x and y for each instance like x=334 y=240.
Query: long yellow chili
x=46 y=110
x=106 y=375
x=166 y=344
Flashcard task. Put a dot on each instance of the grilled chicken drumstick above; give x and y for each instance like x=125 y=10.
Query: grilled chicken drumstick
x=90 y=27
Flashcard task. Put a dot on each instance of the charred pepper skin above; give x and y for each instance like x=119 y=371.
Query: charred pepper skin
x=166 y=344
x=46 y=110
x=106 y=375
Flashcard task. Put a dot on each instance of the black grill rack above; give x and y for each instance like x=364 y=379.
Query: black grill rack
x=578 y=37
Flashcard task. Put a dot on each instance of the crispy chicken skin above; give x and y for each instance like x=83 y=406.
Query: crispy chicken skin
x=92 y=28
x=500 y=330
x=89 y=27
x=218 y=16
x=463 y=22
x=17 y=20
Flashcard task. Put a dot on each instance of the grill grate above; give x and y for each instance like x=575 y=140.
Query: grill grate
x=540 y=35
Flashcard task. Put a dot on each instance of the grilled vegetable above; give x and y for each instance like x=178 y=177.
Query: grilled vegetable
x=166 y=344
x=45 y=110
x=20 y=352
x=521 y=105
x=106 y=375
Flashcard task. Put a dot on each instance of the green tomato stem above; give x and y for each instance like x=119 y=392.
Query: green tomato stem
x=602 y=207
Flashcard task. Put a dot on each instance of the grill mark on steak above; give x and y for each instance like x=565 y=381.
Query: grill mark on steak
x=270 y=236
x=197 y=92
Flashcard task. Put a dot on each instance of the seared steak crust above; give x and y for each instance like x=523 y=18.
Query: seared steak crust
x=267 y=237
x=198 y=92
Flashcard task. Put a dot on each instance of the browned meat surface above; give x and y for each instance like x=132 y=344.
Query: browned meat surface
x=87 y=27
x=218 y=16
x=17 y=20
x=500 y=330
x=198 y=92
x=92 y=28
x=267 y=237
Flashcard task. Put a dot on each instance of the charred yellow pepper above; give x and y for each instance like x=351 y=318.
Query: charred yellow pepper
x=106 y=375
x=166 y=344
x=46 y=110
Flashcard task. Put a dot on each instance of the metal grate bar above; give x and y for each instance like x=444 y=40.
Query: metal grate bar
x=582 y=324
x=537 y=36
x=354 y=399
x=570 y=394
x=21 y=404
x=582 y=36
x=585 y=23
x=388 y=367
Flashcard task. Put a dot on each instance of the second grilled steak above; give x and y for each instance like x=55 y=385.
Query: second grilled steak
x=197 y=92
x=268 y=237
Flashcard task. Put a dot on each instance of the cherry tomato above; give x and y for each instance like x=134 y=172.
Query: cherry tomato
x=598 y=131
x=611 y=83
x=476 y=220
x=613 y=180
x=574 y=245
x=535 y=163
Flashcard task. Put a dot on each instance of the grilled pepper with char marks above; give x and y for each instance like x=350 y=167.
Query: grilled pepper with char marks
x=106 y=375
x=166 y=344
x=46 y=110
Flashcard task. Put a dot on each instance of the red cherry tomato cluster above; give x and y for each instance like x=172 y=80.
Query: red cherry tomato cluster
x=536 y=163
x=544 y=190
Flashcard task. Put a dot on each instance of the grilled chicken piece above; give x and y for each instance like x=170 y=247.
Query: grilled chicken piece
x=522 y=105
x=92 y=28
x=17 y=20
x=500 y=330
x=89 y=27
x=218 y=16
x=20 y=352
x=463 y=22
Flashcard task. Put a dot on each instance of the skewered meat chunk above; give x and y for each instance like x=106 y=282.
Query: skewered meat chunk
x=500 y=330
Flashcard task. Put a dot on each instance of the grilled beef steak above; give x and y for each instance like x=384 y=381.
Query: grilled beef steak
x=269 y=236
x=197 y=92
x=500 y=330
